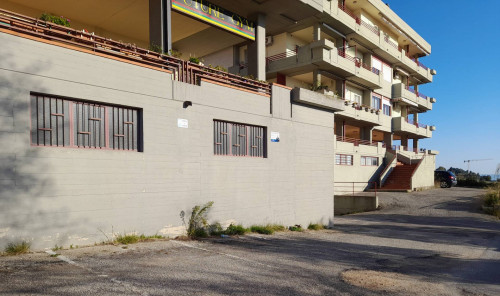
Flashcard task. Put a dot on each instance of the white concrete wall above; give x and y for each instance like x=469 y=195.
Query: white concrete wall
x=68 y=196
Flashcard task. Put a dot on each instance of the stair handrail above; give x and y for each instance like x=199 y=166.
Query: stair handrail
x=388 y=169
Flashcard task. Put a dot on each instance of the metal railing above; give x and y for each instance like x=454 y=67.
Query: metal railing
x=422 y=66
x=415 y=123
x=388 y=41
x=422 y=96
x=353 y=188
x=282 y=55
x=404 y=148
x=349 y=12
x=183 y=71
x=372 y=28
x=375 y=70
x=356 y=142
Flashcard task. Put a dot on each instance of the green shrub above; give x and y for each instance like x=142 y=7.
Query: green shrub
x=17 y=248
x=127 y=239
x=215 y=229
x=194 y=60
x=59 y=20
x=296 y=228
x=235 y=230
x=314 y=226
x=267 y=229
x=197 y=221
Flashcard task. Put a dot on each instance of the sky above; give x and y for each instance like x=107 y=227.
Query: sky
x=465 y=40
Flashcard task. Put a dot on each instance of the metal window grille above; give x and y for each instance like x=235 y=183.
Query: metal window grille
x=123 y=128
x=238 y=139
x=89 y=125
x=50 y=124
x=62 y=122
x=343 y=159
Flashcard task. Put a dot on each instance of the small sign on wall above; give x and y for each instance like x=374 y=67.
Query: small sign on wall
x=183 y=123
x=275 y=136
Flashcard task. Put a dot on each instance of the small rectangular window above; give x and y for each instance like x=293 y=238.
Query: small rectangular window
x=387 y=110
x=376 y=102
x=343 y=159
x=238 y=139
x=71 y=123
x=369 y=161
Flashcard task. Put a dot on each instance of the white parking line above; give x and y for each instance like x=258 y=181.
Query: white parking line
x=113 y=280
x=223 y=254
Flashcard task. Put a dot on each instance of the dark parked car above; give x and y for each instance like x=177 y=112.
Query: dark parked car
x=445 y=179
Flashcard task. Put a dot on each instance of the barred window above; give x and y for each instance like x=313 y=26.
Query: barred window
x=343 y=159
x=238 y=139
x=369 y=161
x=70 y=123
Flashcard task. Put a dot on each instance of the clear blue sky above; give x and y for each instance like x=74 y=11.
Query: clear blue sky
x=465 y=40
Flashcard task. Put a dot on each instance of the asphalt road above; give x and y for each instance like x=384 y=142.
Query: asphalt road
x=424 y=243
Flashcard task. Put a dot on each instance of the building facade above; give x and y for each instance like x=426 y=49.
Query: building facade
x=259 y=106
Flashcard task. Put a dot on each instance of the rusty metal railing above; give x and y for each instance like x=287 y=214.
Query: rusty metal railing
x=181 y=70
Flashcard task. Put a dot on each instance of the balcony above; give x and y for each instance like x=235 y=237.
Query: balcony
x=416 y=68
x=352 y=145
x=403 y=126
x=184 y=71
x=366 y=115
x=372 y=37
x=325 y=56
x=407 y=96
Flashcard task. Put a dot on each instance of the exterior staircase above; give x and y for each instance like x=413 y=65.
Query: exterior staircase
x=400 y=177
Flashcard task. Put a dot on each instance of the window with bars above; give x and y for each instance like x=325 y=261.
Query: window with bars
x=236 y=139
x=369 y=161
x=69 y=123
x=343 y=159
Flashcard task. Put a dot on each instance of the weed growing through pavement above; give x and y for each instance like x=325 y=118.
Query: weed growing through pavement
x=197 y=224
x=315 y=226
x=17 y=248
x=267 y=229
x=297 y=228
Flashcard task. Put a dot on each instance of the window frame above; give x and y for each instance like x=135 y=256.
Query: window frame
x=255 y=136
x=371 y=162
x=341 y=159
x=71 y=116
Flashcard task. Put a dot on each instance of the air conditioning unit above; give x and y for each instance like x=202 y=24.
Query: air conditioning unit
x=269 y=40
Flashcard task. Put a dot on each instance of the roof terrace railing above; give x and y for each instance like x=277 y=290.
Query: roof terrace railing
x=183 y=71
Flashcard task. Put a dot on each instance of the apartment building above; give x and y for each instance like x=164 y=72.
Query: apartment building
x=260 y=106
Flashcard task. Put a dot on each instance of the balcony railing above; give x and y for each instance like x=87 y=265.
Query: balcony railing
x=283 y=55
x=422 y=96
x=349 y=12
x=184 y=71
x=410 y=89
x=422 y=66
x=388 y=41
x=404 y=148
x=372 y=28
x=356 y=142
x=417 y=124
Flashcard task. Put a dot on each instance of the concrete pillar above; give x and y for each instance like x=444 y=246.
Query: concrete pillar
x=257 y=50
x=339 y=129
x=160 y=25
x=317 y=32
x=316 y=78
x=366 y=133
x=415 y=117
x=388 y=138
x=415 y=145
x=236 y=56
x=404 y=141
